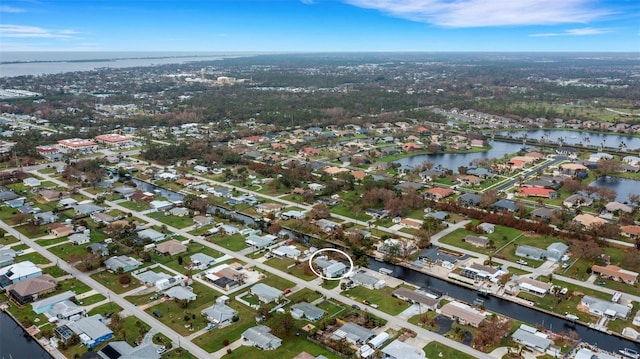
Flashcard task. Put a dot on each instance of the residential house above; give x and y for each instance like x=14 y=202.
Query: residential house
x=18 y=272
x=61 y=230
x=201 y=261
x=289 y=251
x=438 y=193
x=537 y=192
x=481 y=272
x=219 y=314
x=327 y=226
x=123 y=350
x=531 y=252
x=616 y=207
x=100 y=217
x=532 y=338
x=66 y=310
x=470 y=199
x=544 y=213
x=261 y=337
x=417 y=296
x=151 y=235
x=292 y=215
x=47 y=194
x=555 y=251
x=259 y=242
x=399 y=350
x=577 y=200
x=30 y=289
x=79 y=238
x=180 y=293
x=122 y=263
x=603 y=308
x=86 y=209
x=481 y=242
x=46 y=304
x=179 y=211
x=505 y=205
x=468 y=180
x=266 y=293
x=631 y=231
x=487 y=227
x=201 y=221
x=616 y=273
x=433 y=255
x=533 y=286
x=170 y=248
x=304 y=310
x=91 y=330
x=31 y=182
x=463 y=313
x=46 y=217
x=588 y=220
x=269 y=208
x=353 y=333
x=368 y=281
x=161 y=206
x=330 y=268
x=99 y=248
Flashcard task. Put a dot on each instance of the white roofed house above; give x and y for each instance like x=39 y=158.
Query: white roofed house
x=399 y=350
x=306 y=310
x=201 y=261
x=331 y=268
x=79 y=238
x=531 y=338
x=353 y=333
x=602 y=308
x=287 y=251
x=151 y=234
x=531 y=252
x=126 y=263
x=534 y=286
x=18 y=272
x=463 y=313
x=180 y=293
x=220 y=314
x=368 y=281
x=261 y=337
x=266 y=293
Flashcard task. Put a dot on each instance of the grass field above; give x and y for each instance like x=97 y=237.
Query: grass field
x=289 y=349
x=434 y=349
x=381 y=297
x=212 y=340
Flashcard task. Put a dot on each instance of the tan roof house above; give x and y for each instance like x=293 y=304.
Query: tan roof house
x=616 y=273
x=170 y=247
x=60 y=230
x=463 y=313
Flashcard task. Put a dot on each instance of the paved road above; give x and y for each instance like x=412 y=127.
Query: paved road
x=536 y=170
x=197 y=351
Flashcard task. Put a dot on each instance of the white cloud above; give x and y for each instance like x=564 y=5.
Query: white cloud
x=586 y=31
x=484 y=13
x=25 y=31
x=10 y=9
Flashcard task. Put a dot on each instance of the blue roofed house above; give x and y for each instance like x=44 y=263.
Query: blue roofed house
x=505 y=205
x=151 y=234
x=46 y=304
x=220 y=314
x=86 y=209
x=91 y=330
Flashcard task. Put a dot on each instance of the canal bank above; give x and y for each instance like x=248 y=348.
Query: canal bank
x=508 y=307
x=16 y=342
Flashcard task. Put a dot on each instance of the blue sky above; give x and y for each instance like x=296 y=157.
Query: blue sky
x=320 y=25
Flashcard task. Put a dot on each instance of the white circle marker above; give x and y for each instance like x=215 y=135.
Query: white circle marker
x=331 y=250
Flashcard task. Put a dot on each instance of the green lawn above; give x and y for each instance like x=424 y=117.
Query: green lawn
x=174 y=316
x=381 y=297
x=5 y=240
x=331 y=308
x=54 y=271
x=289 y=349
x=434 y=349
x=234 y=242
x=66 y=250
x=299 y=270
x=105 y=308
x=135 y=206
x=51 y=241
x=173 y=221
x=178 y=353
x=304 y=295
x=277 y=282
x=500 y=237
x=34 y=257
x=73 y=284
x=93 y=299
x=110 y=280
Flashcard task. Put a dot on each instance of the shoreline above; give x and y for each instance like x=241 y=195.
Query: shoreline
x=53 y=353
x=510 y=298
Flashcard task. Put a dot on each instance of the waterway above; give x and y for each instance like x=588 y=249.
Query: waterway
x=15 y=343
x=455 y=160
x=624 y=187
x=508 y=308
x=607 y=140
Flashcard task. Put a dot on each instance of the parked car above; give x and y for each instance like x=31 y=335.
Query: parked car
x=601 y=282
x=157 y=314
x=355 y=306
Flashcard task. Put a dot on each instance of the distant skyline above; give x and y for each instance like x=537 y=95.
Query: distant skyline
x=320 y=25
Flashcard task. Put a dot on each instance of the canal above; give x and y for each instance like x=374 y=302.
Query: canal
x=607 y=140
x=15 y=343
x=508 y=308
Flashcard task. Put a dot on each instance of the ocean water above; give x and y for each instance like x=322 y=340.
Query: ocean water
x=40 y=63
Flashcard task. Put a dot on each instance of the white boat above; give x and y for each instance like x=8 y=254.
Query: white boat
x=630 y=353
x=571 y=316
